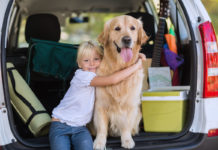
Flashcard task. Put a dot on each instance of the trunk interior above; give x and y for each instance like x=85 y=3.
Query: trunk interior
x=50 y=90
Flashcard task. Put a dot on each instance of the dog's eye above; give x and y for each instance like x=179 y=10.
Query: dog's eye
x=117 y=28
x=132 y=28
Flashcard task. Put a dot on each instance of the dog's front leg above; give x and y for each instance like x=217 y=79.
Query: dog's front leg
x=101 y=126
x=126 y=138
x=130 y=125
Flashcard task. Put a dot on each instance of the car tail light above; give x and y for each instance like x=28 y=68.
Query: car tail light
x=210 y=52
x=212 y=132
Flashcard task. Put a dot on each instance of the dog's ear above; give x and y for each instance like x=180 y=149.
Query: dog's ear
x=142 y=37
x=103 y=37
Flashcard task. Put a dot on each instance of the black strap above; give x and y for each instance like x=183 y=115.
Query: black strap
x=34 y=112
x=33 y=115
x=177 y=29
x=12 y=68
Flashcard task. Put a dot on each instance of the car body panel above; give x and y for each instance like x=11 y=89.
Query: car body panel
x=6 y=135
x=204 y=110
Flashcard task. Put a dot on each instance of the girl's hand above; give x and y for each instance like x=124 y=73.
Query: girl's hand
x=142 y=56
x=139 y=63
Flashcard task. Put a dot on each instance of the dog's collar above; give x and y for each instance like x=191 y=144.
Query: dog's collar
x=118 y=49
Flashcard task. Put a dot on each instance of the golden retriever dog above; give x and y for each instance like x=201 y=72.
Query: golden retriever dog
x=117 y=107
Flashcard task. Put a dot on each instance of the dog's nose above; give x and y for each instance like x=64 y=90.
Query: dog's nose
x=126 y=40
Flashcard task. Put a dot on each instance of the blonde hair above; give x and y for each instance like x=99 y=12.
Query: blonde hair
x=86 y=48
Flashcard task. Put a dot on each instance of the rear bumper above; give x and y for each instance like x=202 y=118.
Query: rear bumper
x=191 y=141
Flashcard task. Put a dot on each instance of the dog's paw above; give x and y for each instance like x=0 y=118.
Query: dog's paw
x=128 y=143
x=99 y=144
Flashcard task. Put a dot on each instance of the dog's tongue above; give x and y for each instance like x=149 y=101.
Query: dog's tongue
x=126 y=54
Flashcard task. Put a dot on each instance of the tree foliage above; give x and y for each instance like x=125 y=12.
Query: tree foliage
x=211 y=6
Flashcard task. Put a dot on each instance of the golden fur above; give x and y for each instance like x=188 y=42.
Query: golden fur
x=117 y=107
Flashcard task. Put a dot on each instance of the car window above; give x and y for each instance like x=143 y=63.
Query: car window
x=75 y=33
x=21 y=37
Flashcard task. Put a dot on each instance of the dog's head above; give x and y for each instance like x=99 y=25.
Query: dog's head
x=122 y=37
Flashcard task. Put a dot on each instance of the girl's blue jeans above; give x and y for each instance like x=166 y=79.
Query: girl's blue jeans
x=63 y=136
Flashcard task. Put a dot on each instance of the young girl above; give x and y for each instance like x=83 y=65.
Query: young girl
x=69 y=118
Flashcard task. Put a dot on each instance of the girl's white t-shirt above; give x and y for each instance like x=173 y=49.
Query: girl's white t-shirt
x=76 y=108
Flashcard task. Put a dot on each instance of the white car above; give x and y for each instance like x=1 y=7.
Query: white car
x=27 y=96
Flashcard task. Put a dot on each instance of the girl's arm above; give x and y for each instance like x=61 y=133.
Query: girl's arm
x=117 y=76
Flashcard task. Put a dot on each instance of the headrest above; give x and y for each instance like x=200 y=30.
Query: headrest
x=148 y=25
x=42 y=26
x=148 y=22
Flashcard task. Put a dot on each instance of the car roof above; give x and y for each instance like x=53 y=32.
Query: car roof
x=35 y=6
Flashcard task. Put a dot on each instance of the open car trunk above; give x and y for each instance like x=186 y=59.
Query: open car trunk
x=49 y=89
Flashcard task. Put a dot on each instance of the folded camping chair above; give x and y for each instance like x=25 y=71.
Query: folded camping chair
x=49 y=61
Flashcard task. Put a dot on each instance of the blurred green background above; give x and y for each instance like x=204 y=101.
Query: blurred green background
x=212 y=8
x=78 y=32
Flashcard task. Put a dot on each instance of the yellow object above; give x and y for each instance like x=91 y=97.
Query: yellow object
x=164 y=111
x=26 y=104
